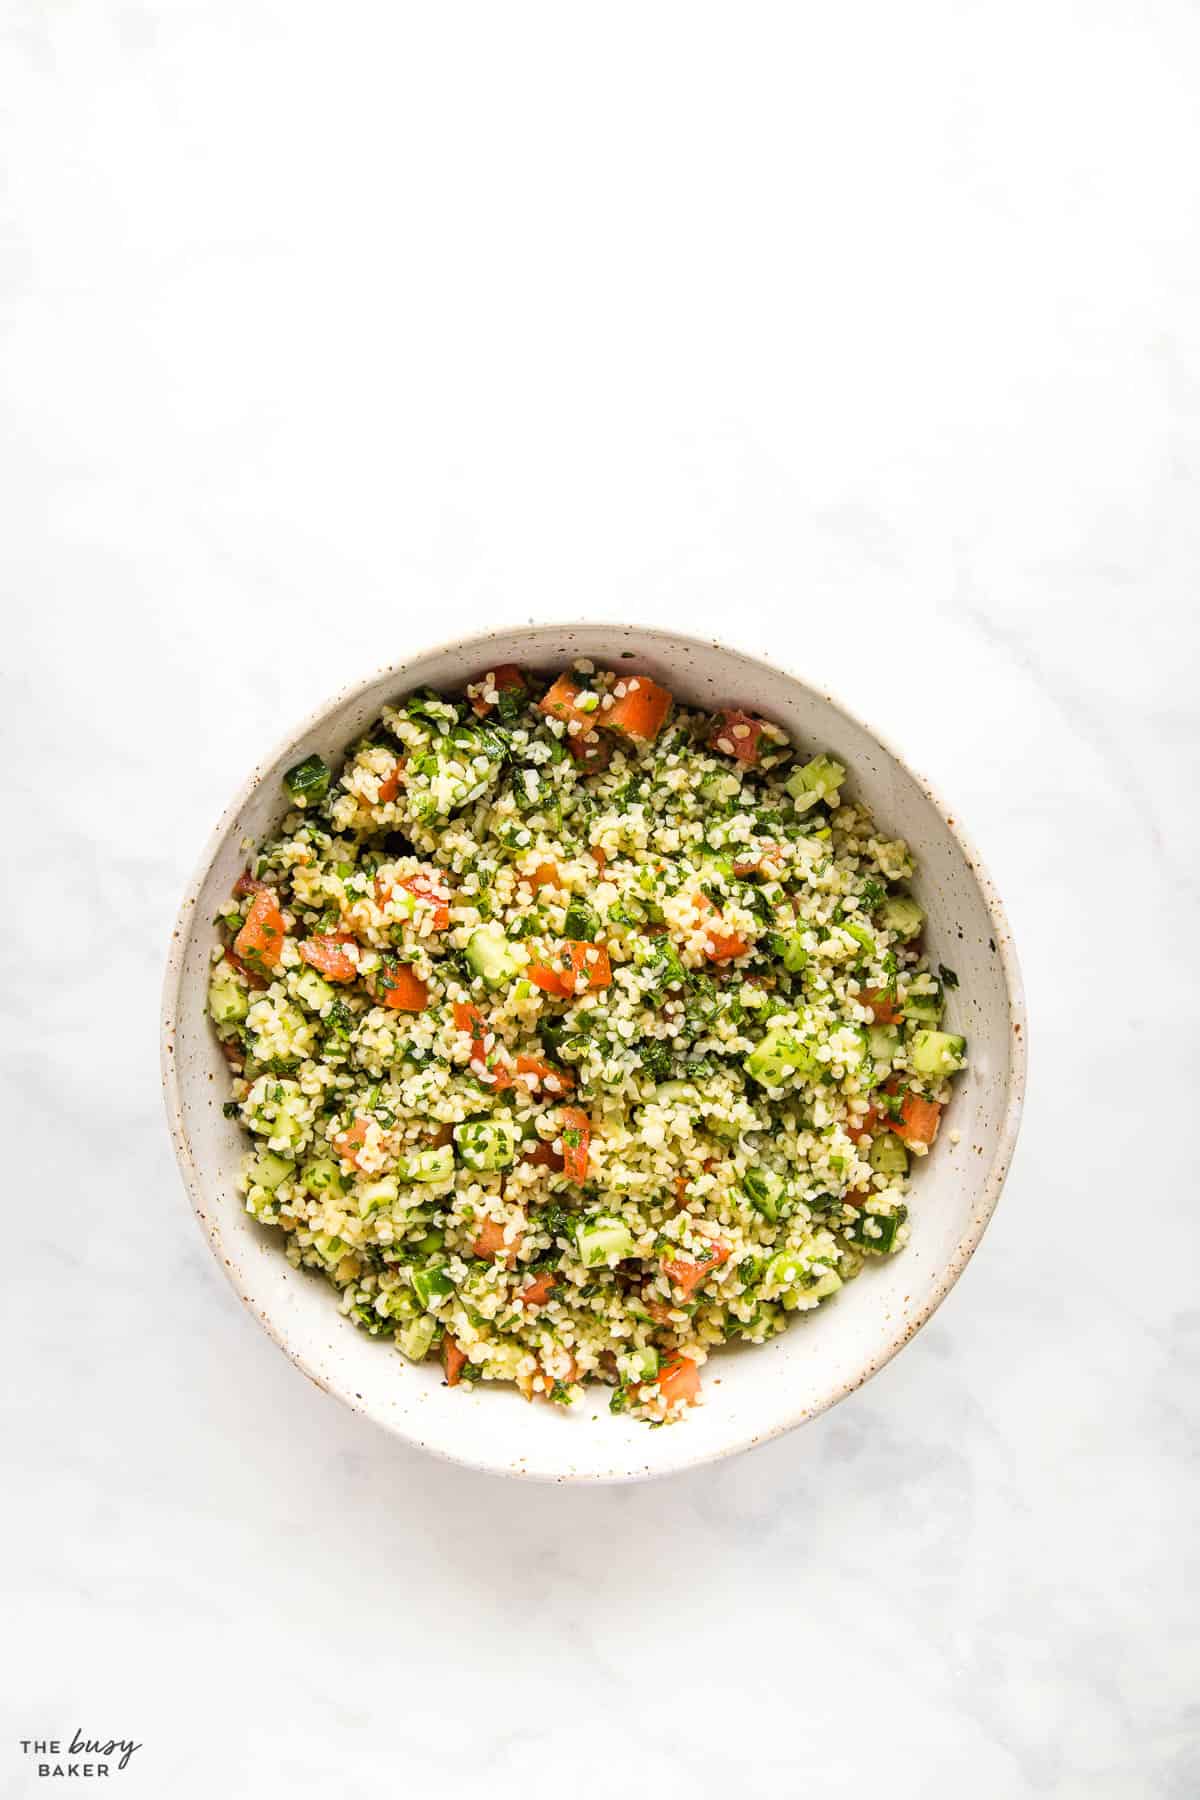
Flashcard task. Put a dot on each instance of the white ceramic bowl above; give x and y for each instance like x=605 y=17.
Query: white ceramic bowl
x=752 y=1393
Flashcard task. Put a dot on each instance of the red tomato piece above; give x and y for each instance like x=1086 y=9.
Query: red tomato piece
x=401 y=988
x=327 y=956
x=640 y=711
x=688 y=1275
x=260 y=940
x=736 y=734
x=506 y=676
x=539 y=1290
x=453 y=1361
x=576 y=1135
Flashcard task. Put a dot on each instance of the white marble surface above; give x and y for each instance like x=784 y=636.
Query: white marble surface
x=869 y=335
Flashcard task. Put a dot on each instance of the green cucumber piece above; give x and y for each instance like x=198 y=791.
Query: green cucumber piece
x=779 y=1056
x=312 y=989
x=431 y=1284
x=819 y=779
x=227 y=1002
x=268 y=1170
x=901 y=914
x=487 y=1143
x=308 y=782
x=764 y=1190
x=937 y=1052
x=604 y=1242
x=416 y=1340
x=888 y=1155
x=490 y=956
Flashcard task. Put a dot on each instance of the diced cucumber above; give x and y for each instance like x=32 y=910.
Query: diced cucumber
x=375 y=1195
x=312 y=989
x=888 y=1155
x=764 y=1190
x=785 y=1270
x=677 y=1093
x=330 y=1249
x=792 y=953
x=883 y=1042
x=268 y=1170
x=604 y=1242
x=924 y=1000
x=431 y=1284
x=826 y=1284
x=429 y=1165
x=779 y=1056
x=639 y=1365
x=489 y=954
x=227 y=1002
x=416 y=1340
x=937 y=1052
x=861 y=935
x=309 y=781
x=901 y=914
x=487 y=1143
x=819 y=779
x=322 y=1175
x=876 y=1231
x=397 y=1303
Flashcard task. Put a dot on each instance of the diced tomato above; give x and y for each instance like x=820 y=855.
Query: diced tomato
x=548 y=1382
x=659 y=1311
x=751 y=863
x=736 y=734
x=506 y=676
x=427 y=887
x=725 y=946
x=918 y=1121
x=857 y=1196
x=678 y=1380
x=545 y=875
x=539 y=1290
x=559 y=702
x=599 y=856
x=349 y=1143
x=490 y=1242
x=591 y=751
x=453 y=1361
x=688 y=1275
x=389 y=787
x=327 y=956
x=640 y=711
x=247 y=883
x=867 y=1125
x=252 y=976
x=576 y=1135
x=882 y=1004
x=468 y=1018
x=591 y=960
x=549 y=980
x=722 y=945
x=401 y=989
x=543 y=1156
x=260 y=941
x=539 y=1076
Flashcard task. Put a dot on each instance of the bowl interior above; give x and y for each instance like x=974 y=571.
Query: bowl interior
x=751 y=1393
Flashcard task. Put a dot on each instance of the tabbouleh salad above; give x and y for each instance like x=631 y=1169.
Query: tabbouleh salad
x=578 y=1033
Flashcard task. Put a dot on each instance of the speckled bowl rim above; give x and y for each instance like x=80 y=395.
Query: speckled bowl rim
x=1010 y=1121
